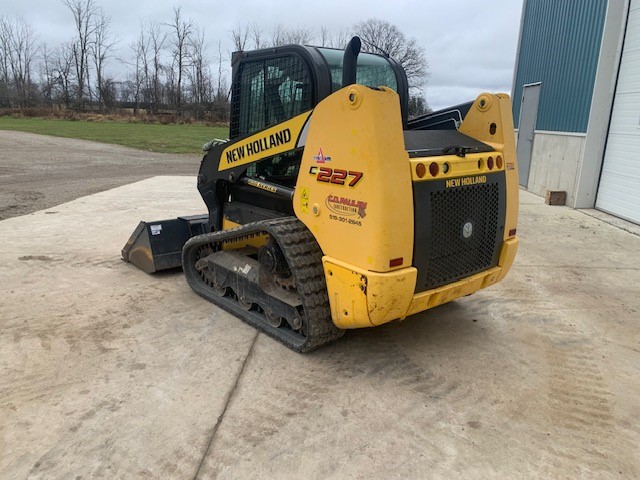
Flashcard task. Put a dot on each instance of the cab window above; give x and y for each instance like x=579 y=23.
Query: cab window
x=372 y=71
x=268 y=92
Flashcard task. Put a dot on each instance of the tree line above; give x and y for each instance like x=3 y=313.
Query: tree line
x=169 y=66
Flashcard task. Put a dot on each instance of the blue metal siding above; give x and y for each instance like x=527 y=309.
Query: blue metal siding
x=560 y=47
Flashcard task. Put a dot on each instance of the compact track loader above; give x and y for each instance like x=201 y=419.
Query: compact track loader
x=328 y=209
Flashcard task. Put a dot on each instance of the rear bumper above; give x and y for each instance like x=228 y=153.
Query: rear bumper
x=432 y=298
x=360 y=298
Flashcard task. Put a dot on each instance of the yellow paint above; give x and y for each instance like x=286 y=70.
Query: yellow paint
x=361 y=298
x=362 y=227
x=256 y=241
x=507 y=256
x=470 y=165
x=367 y=237
x=228 y=224
x=432 y=298
x=477 y=123
x=264 y=143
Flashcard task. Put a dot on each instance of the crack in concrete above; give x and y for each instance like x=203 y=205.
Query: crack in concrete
x=227 y=402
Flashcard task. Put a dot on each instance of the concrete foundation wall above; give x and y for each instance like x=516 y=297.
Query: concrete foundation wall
x=555 y=163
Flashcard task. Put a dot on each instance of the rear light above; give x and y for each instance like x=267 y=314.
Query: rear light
x=421 y=170
x=445 y=167
x=490 y=163
x=499 y=161
x=512 y=232
x=433 y=169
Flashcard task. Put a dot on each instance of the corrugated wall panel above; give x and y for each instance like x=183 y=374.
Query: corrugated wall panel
x=560 y=47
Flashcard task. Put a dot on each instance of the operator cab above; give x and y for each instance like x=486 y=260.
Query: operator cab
x=275 y=84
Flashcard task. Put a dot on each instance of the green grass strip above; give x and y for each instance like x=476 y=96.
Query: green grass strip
x=151 y=137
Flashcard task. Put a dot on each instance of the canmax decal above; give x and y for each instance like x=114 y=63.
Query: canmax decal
x=347 y=207
x=321 y=157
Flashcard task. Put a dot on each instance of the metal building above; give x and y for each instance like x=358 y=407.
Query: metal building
x=576 y=102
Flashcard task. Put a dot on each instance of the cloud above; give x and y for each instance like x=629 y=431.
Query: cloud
x=470 y=45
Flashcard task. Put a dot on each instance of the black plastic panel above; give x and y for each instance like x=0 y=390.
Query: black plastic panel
x=448 y=118
x=441 y=252
x=428 y=143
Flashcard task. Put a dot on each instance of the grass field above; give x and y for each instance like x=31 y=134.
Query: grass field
x=151 y=137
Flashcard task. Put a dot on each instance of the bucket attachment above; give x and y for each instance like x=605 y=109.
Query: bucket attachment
x=156 y=246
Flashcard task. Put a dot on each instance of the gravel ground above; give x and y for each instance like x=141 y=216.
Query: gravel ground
x=38 y=171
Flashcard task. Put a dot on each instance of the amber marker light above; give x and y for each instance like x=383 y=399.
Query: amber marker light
x=433 y=169
x=421 y=170
x=499 y=161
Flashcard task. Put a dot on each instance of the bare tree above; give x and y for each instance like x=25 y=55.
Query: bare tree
x=62 y=70
x=281 y=35
x=138 y=68
x=418 y=106
x=299 y=36
x=256 y=35
x=239 y=36
x=278 y=35
x=220 y=60
x=18 y=50
x=341 y=38
x=100 y=47
x=47 y=74
x=157 y=43
x=6 y=33
x=382 y=37
x=324 y=36
x=83 y=12
x=220 y=104
x=182 y=30
x=199 y=74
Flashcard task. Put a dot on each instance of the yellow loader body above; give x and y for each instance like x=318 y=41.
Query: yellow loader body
x=366 y=229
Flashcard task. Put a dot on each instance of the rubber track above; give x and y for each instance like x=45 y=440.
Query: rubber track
x=304 y=256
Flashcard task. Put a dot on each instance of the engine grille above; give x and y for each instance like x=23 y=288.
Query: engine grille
x=447 y=252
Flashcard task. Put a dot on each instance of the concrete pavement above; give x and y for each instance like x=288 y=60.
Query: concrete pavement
x=106 y=372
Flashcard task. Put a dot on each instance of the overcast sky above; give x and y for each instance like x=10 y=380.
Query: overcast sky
x=470 y=45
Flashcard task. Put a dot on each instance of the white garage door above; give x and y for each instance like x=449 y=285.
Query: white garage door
x=619 y=190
